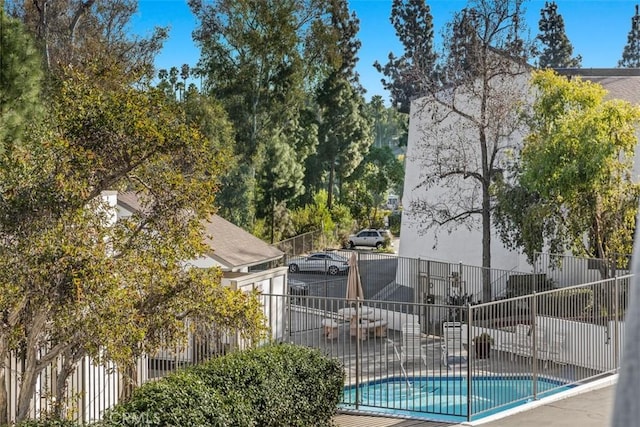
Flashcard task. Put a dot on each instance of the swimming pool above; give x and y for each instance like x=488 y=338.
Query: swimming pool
x=445 y=398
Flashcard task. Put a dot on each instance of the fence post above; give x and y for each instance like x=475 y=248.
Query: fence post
x=358 y=332
x=463 y=282
x=470 y=359
x=534 y=337
x=616 y=322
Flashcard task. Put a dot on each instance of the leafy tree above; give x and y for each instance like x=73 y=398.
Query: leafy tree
x=256 y=57
x=370 y=183
x=472 y=124
x=75 y=283
x=282 y=178
x=334 y=223
x=345 y=132
x=410 y=74
x=21 y=109
x=631 y=52
x=71 y=32
x=169 y=81
x=573 y=189
x=557 y=51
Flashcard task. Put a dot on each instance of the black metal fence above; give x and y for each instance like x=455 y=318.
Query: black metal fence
x=454 y=363
x=389 y=277
x=303 y=243
x=418 y=344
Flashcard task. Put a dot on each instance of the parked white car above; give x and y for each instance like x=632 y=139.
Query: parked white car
x=370 y=237
x=320 y=261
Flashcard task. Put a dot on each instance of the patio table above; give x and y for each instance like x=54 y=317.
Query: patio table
x=349 y=313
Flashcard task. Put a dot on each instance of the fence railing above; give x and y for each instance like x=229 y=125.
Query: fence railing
x=388 y=276
x=424 y=356
x=567 y=270
x=303 y=243
x=472 y=360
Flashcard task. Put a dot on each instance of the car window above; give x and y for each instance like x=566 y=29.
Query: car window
x=314 y=257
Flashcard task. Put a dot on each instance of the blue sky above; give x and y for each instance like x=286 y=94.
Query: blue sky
x=597 y=29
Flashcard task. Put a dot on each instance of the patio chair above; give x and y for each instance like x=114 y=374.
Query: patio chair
x=522 y=342
x=453 y=351
x=554 y=349
x=412 y=347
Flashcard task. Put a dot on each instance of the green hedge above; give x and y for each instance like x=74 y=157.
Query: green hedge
x=48 y=423
x=274 y=385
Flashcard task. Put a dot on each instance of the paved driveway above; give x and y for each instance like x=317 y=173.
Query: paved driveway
x=376 y=271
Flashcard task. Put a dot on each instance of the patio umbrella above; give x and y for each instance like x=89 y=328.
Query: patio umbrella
x=354 y=285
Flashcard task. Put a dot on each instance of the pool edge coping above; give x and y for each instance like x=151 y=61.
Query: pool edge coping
x=575 y=391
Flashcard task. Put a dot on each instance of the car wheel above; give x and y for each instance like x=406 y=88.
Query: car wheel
x=351 y=245
x=333 y=270
x=378 y=245
x=293 y=268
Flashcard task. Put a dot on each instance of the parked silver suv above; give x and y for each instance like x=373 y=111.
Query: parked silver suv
x=370 y=237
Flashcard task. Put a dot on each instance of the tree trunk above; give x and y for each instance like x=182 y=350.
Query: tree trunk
x=28 y=383
x=69 y=361
x=82 y=8
x=34 y=363
x=487 y=293
x=487 y=171
x=332 y=172
x=10 y=321
x=128 y=381
x=4 y=401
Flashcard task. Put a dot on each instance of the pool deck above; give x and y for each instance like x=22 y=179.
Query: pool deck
x=590 y=408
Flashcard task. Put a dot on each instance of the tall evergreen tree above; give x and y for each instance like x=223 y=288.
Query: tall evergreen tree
x=257 y=57
x=631 y=52
x=557 y=47
x=389 y=126
x=344 y=133
x=20 y=80
x=408 y=75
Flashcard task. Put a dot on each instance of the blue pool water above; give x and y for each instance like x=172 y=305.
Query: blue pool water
x=445 y=398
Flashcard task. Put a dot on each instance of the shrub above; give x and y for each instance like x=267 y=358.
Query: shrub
x=274 y=385
x=395 y=222
x=48 y=423
x=284 y=384
x=179 y=399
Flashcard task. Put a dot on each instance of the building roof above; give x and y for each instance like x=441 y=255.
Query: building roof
x=621 y=83
x=233 y=246
x=230 y=245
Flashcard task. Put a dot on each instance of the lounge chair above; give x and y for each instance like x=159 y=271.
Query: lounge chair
x=412 y=347
x=554 y=349
x=453 y=351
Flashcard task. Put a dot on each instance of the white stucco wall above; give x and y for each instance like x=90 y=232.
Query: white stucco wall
x=464 y=243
